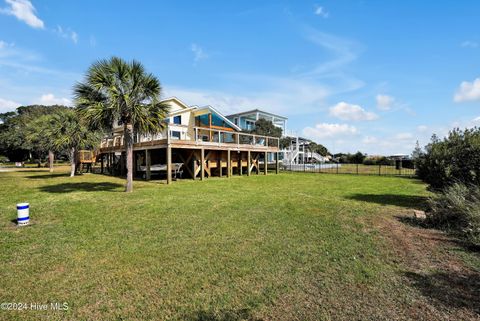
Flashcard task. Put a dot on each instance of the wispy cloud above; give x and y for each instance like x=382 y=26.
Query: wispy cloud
x=320 y=11
x=275 y=94
x=50 y=99
x=66 y=33
x=468 y=91
x=198 y=53
x=306 y=88
x=326 y=130
x=7 y=105
x=343 y=51
x=470 y=44
x=24 y=11
x=384 y=102
x=345 y=111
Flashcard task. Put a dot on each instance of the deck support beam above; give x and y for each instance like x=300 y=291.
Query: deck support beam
x=249 y=163
x=229 y=164
x=202 y=164
x=147 y=165
x=134 y=164
x=219 y=165
x=101 y=164
x=169 y=164
x=277 y=163
x=240 y=163
x=265 y=163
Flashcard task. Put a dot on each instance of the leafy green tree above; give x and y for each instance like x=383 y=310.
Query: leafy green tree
x=66 y=131
x=14 y=142
x=71 y=133
x=116 y=92
x=455 y=159
x=318 y=148
x=356 y=158
x=266 y=128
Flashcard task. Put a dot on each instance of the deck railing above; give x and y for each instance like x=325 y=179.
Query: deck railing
x=200 y=136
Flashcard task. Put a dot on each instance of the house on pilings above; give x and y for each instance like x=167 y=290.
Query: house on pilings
x=198 y=142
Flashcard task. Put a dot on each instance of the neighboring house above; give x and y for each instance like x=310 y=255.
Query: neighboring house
x=199 y=139
x=246 y=120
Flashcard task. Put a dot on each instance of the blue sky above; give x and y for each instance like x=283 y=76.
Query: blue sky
x=353 y=75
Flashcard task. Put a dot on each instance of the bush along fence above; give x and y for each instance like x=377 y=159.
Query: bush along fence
x=395 y=169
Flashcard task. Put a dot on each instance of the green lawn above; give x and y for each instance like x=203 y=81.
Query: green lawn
x=282 y=247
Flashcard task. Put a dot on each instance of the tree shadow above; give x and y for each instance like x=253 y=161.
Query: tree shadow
x=81 y=187
x=408 y=201
x=222 y=315
x=449 y=289
x=48 y=175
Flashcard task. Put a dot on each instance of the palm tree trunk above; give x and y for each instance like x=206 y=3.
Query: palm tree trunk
x=50 y=160
x=128 y=141
x=72 y=161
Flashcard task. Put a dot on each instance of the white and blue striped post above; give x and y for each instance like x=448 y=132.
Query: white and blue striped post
x=23 y=214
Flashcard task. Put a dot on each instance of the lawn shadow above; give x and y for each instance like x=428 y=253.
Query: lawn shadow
x=222 y=315
x=81 y=187
x=48 y=175
x=449 y=289
x=407 y=201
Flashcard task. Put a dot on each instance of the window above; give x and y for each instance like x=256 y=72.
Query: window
x=175 y=134
x=250 y=124
x=177 y=120
x=235 y=121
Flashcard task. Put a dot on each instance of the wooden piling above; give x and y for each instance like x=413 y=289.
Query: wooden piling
x=229 y=164
x=169 y=164
x=265 y=163
x=147 y=165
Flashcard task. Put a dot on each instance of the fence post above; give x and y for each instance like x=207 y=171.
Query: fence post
x=357 y=169
x=379 y=169
x=337 y=167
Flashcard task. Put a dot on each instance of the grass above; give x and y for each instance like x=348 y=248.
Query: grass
x=281 y=247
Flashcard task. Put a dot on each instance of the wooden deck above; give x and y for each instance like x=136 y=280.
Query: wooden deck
x=205 y=152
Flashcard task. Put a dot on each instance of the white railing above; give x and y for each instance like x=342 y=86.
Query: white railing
x=198 y=135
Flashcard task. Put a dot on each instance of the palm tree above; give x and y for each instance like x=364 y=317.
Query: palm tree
x=69 y=132
x=122 y=93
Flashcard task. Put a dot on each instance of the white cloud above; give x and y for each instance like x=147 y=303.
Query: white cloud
x=7 y=105
x=422 y=128
x=469 y=44
x=67 y=34
x=320 y=11
x=404 y=136
x=24 y=11
x=325 y=130
x=346 y=111
x=476 y=120
x=468 y=91
x=384 y=102
x=274 y=94
x=50 y=99
x=4 y=44
x=198 y=53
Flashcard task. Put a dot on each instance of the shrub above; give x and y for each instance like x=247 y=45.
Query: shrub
x=457 y=208
x=453 y=159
